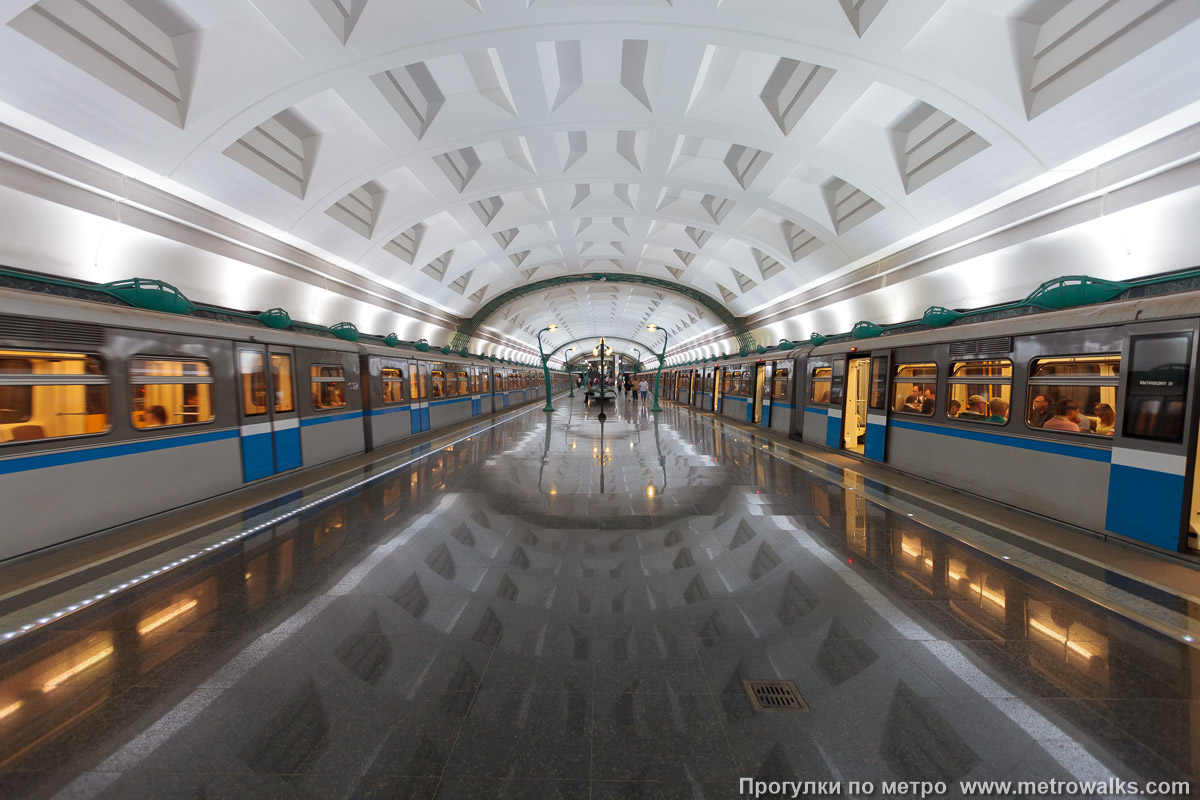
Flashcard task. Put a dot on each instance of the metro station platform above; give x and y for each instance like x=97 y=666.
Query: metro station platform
x=545 y=606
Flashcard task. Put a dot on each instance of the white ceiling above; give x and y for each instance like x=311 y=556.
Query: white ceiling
x=452 y=150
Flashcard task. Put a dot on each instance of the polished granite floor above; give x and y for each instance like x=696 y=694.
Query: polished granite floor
x=570 y=610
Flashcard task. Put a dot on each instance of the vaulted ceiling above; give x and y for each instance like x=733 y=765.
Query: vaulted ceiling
x=453 y=150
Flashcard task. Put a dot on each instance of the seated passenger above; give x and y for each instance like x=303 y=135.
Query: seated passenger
x=911 y=403
x=999 y=409
x=977 y=408
x=927 y=405
x=1041 y=412
x=955 y=407
x=1108 y=419
x=1067 y=418
x=155 y=416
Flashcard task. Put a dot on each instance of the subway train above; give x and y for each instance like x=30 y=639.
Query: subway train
x=110 y=414
x=1087 y=416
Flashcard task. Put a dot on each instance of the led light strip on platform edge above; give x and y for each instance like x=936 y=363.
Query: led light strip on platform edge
x=46 y=619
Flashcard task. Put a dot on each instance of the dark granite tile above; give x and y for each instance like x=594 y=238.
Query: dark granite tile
x=659 y=737
x=525 y=735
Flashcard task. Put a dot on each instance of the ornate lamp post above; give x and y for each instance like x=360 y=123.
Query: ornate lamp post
x=545 y=363
x=661 y=360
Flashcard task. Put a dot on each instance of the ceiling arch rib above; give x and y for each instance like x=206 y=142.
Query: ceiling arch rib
x=470 y=326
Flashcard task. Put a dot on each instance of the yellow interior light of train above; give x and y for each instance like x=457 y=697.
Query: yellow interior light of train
x=89 y=655
x=10 y=709
x=171 y=612
x=1048 y=631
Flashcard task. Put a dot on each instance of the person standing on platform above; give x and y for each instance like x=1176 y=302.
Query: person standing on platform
x=643 y=387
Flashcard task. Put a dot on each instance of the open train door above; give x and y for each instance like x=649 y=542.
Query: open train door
x=877 y=399
x=761 y=412
x=1149 y=498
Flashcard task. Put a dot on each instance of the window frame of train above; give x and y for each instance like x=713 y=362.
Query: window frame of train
x=400 y=379
x=182 y=381
x=269 y=435
x=1152 y=480
x=1002 y=381
x=322 y=379
x=1041 y=386
x=100 y=377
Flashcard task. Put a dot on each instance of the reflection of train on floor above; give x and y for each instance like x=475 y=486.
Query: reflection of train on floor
x=1088 y=416
x=109 y=414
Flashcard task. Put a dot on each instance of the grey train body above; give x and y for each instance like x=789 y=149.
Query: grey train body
x=111 y=469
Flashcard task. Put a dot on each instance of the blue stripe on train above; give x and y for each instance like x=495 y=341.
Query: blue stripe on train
x=310 y=421
x=60 y=458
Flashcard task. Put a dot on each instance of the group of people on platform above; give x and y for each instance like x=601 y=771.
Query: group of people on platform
x=625 y=382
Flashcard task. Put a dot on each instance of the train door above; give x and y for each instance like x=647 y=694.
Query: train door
x=491 y=389
x=834 y=436
x=1148 y=495
x=474 y=389
x=718 y=373
x=876 y=440
x=762 y=400
x=285 y=417
x=418 y=372
x=854 y=412
x=799 y=395
x=261 y=379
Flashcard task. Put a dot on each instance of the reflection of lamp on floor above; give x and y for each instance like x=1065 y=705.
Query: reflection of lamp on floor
x=545 y=453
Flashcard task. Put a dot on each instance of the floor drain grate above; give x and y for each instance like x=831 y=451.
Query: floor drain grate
x=775 y=696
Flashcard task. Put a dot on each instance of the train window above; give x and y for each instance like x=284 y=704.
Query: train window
x=417 y=384
x=328 y=386
x=463 y=382
x=980 y=391
x=483 y=381
x=51 y=395
x=393 y=385
x=281 y=376
x=879 y=377
x=252 y=368
x=168 y=391
x=1158 y=379
x=914 y=389
x=821 y=379
x=437 y=381
x=779 y=383
x=1074 y=394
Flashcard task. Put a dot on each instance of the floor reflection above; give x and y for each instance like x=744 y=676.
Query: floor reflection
x=570 y=609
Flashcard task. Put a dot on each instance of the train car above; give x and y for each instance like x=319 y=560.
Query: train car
x=110 y=414
x=1087 y=416
x=758 y=392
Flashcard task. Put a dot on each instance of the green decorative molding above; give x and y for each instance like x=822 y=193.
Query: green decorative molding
x=152 y=295
x=275 y=318
x=345 y=330
x=818 y=339
x=391 y=340
x=938 y=317
x=1070 y=291
x=865 y=330
x=736 y=325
